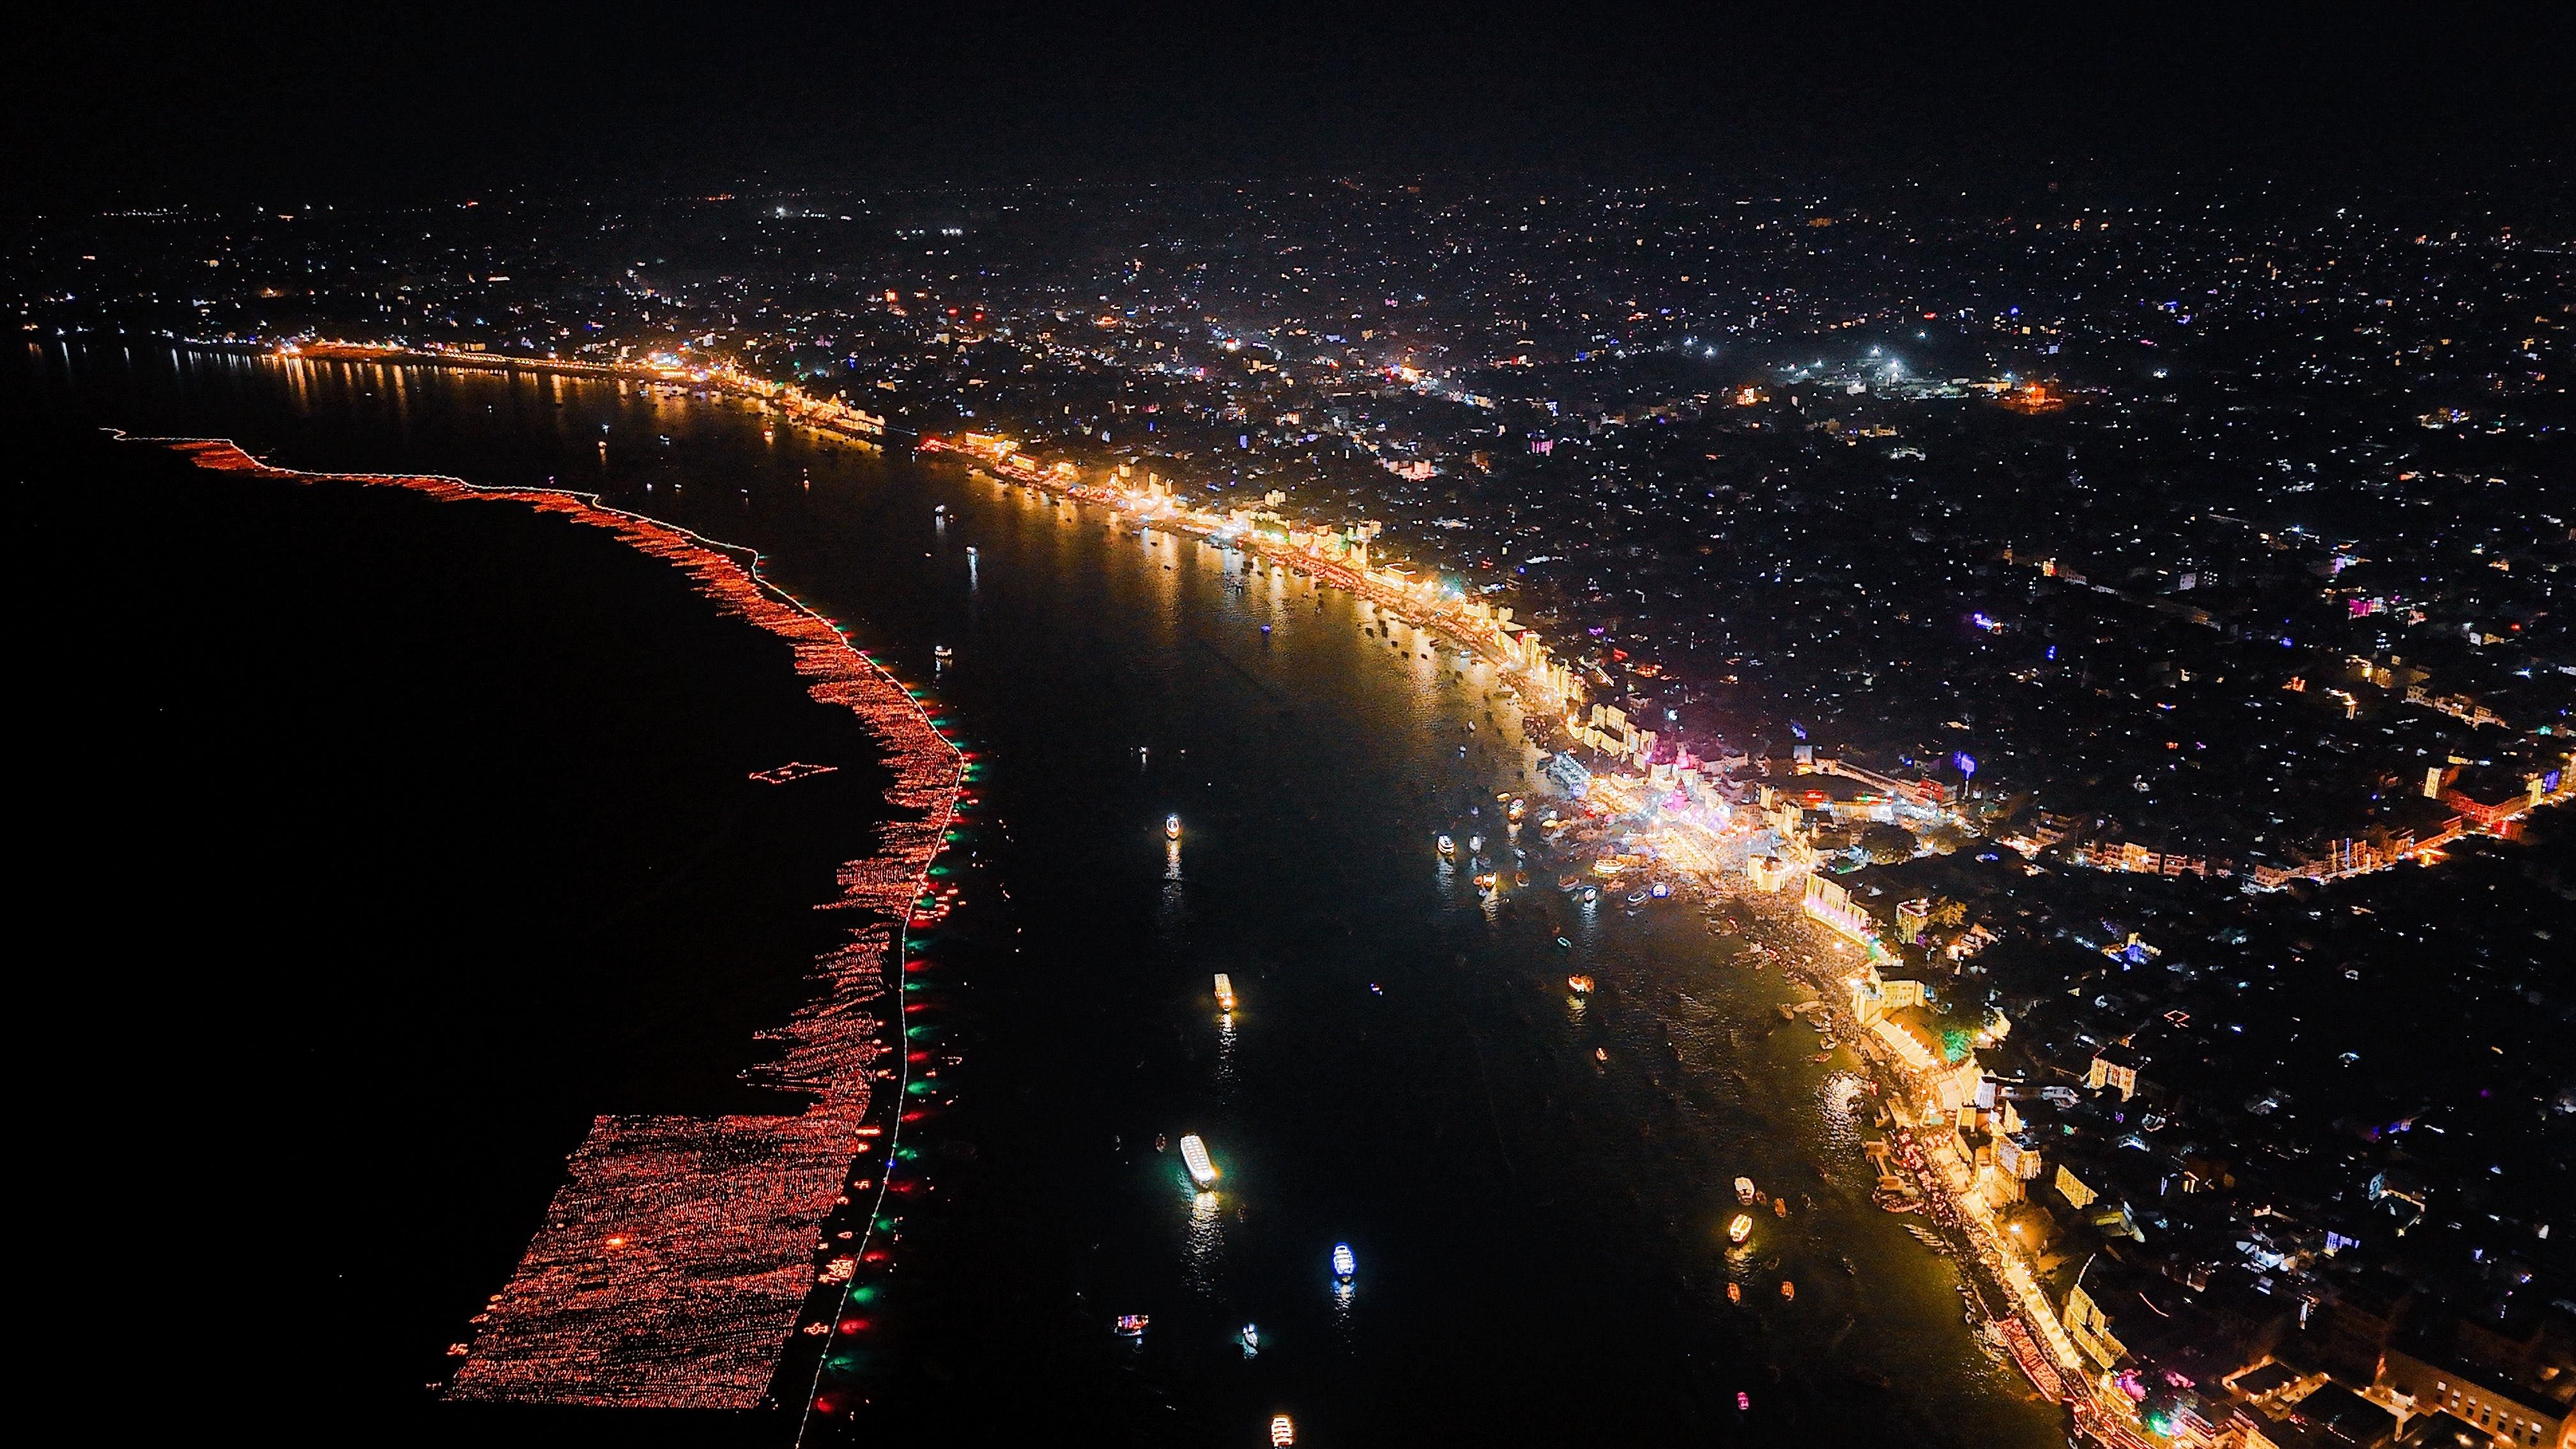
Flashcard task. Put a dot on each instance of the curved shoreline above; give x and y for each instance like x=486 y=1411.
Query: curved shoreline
x=656 y=1281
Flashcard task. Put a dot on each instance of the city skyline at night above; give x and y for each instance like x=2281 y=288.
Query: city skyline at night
x=1354 y=727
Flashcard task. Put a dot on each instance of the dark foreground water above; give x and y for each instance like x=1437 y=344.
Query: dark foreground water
x=1538 y=1231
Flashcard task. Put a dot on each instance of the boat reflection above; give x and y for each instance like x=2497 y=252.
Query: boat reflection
x=1203 y=1245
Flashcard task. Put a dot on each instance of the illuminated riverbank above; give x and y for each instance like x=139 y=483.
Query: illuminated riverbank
x=1439 y=1125
x=655 y=1281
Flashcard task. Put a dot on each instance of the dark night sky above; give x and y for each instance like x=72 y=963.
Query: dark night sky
x=280 y=101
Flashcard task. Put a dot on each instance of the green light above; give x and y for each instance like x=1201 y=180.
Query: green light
x=863 y=1295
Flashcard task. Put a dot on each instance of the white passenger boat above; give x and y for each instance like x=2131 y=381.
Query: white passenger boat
x=1194 y=1154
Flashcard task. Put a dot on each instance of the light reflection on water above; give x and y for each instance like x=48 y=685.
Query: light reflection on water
x=1203 y=1246
x=1224 y=1075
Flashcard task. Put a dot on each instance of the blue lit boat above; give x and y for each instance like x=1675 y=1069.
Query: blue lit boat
x=1345 y=1267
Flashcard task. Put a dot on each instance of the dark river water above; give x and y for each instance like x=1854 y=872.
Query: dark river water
x=1538 y=1231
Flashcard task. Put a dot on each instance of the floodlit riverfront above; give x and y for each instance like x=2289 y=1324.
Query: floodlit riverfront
x=1535 y=1184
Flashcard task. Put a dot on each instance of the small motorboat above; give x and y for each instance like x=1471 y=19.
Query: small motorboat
x=1283 y=1431
x=943 y=653
x=1171 y=827
x=1251 y=1340
x=1591 y=894
x=1744 y=1191
x=1660 y=890
x=1636 y=898
x=1224 y=992
x=1475 y=843
x=1740 y=1229
x=1580 y=985
x=1563 y=944
x=1448 y=846
x=1788 y=1291
x=1734 y=1292
x=1601 y=1054
x=1779 y=1207
x=1345 y=1266
x=1131 y=1325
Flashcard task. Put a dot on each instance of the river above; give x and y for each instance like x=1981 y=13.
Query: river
x=1535 y=1187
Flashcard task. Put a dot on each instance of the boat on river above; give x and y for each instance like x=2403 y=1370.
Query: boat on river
x=1194 y=1154
x=1224 y=992
x=1345 y=1266
x=1448 y=846
x=1171 y=827
x=943 y=653
x=1580 y=985
x=1740 y=1229
x=1788 y=1291
x=1744 y=1191
x=1734 y=1292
